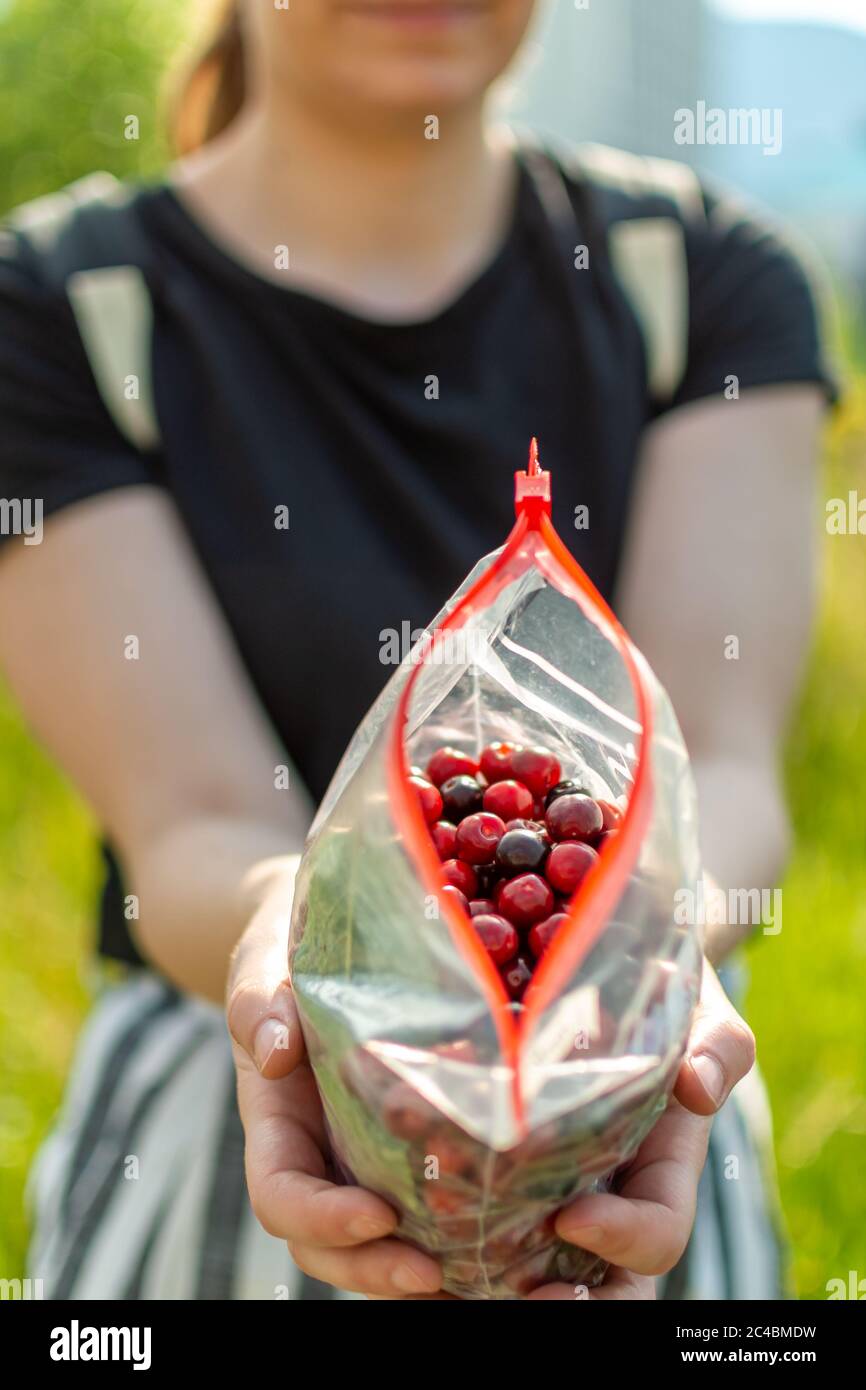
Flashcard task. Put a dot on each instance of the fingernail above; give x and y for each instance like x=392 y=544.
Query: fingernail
x=588 y=1236
x=367 y=1228
x=407 y=1279
x=271 y=1036
x=711 y=1077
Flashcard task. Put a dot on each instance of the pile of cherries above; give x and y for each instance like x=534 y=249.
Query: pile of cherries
x=515 y=842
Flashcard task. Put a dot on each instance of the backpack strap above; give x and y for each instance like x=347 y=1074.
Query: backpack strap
x=647 y=254
x=83 y=235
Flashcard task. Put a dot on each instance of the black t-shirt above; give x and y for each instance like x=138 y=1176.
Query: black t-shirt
x=268 y=397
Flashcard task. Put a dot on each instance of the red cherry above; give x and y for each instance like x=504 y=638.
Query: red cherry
x=454 y=895
x=516 y=976
x=498 y=936
x=461 y=876
x=450 y=762
x=543 y=933
x=428 y=798
x=574 y=818
x=444 y=836
x=611 y=815
x=521 y=823
x=478 y=836
x=479 y=907
x=568 y=863
x=525 y=899
x=495 y=760
x=537 y=769
x=508 y=799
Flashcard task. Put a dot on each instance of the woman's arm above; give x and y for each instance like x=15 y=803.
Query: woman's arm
x=165 y=739
x=717 y=588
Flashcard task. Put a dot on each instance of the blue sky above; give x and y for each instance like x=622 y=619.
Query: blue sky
x=850 y=12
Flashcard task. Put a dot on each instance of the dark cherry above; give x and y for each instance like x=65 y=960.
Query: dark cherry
x=565 y=789
x=568 y=863
x=611 y=815
x=498 y=936
x=543 y=933
x=477 y=837
x=495 y=760
x=454 y=895
x=480 y=907
x=537 y=769
x=461 y=876
x=525 y=900
x=516 y=976
x=444 y=837
x=450 y=762
x=461 y=796
x=520 y=852
x=574 y=817
x=508 y=799
x=428 y=797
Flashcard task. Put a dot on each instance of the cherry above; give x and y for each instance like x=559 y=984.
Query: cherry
x=499 y=937
x=564 y=789
x=444 y=838
x=543 y=933
x=508 y=799
x=478 y=836
x=455 y=896
x=428 y=798
x=520 y=851
x=461 y=876
x=574 y=817
x=461 y=796
x=450 y=762
x=495 y=760
x=537 y=769
x=480 y=907
x=611 y=815
x=516 y=976
x=568 y=863
x=525 y=900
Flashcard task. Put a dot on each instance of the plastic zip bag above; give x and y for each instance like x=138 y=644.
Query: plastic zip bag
x=475 y=1118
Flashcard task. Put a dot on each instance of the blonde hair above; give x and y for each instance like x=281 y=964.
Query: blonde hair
x=209 y=90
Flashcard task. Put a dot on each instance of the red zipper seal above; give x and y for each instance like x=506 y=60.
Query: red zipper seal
x=533 y=534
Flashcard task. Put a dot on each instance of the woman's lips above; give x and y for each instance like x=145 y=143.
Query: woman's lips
x=415 y=15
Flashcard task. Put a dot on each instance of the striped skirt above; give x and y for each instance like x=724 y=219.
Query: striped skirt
x=139 y=1192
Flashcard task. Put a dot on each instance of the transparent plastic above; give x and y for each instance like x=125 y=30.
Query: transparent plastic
x=475 y=1119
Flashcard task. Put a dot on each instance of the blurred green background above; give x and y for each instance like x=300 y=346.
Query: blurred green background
x=67 y=80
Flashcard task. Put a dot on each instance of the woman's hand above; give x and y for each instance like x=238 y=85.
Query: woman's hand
x=643 y=1229
x=344 y=1235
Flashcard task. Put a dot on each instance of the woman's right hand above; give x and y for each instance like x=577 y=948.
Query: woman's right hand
x=340 y=1235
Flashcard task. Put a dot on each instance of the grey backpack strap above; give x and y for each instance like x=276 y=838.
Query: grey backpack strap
x=647 y=254
x=90 y=221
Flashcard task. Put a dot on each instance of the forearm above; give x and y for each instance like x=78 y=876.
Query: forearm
x=197 y=887
x=744 y=842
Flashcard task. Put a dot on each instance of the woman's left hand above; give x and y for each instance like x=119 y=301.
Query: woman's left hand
x=643 y=1228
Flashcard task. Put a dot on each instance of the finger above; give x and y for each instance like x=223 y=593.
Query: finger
x=260 y=1008
x=645 y=1225
x=286 y=1171
x=721 y=1050
x=620 y=1285
x=382 y=1267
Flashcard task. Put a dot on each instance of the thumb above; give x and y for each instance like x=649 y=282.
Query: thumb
x=720 y=1051
x=260 y=1007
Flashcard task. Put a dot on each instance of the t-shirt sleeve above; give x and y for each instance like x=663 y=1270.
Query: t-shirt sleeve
x=58 y=443
x=753 y=306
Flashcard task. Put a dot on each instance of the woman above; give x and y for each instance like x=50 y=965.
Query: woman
x=354 y=328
